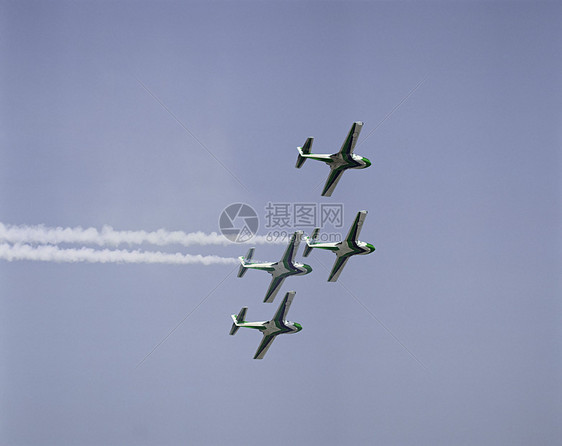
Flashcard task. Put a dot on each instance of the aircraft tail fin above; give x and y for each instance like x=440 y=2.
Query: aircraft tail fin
x=304 y=150
x=310 y=242
x=242 y=270
x=237 y=319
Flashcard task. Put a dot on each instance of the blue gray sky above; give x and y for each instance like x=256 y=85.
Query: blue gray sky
x=448 y=334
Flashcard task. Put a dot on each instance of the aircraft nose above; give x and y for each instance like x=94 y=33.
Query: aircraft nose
x=308 y=268
x=367 y=162
x=371 y=247
x=298 y=326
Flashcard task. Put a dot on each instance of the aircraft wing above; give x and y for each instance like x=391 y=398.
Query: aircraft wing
x=338 y=268
x=356 y=226
x=283 y=309
x=332 y=181
x=292 y=248
x=264 y=346
x=274 y=288
x=349 y=143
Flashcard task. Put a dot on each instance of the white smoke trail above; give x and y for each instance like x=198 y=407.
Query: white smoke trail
x=110 y=237
x=50 y=253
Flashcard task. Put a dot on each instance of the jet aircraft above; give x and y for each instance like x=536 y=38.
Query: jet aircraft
x=279 y=270
x=270 y=329
x=344 y=249
x=338 y=162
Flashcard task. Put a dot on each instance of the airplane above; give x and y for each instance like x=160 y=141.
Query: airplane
x=344 y=249
x=270 y=329
x=338 y=162
x=279 y=270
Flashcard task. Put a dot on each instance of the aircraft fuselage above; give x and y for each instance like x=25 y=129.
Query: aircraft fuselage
x=339 y=161
x=274 y=327
x=352 y=161
x=277 y=269
x=347 y=248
